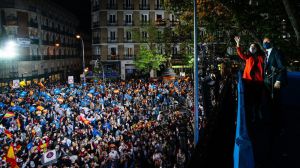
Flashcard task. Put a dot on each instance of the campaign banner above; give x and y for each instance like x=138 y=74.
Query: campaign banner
x=16 y=84
x=49 y=157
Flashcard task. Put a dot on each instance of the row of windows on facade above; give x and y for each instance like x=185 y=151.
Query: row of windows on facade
x=128 y=3
x=144 y=18
x=112 y=36
x=52 y=51
x=46 y=23
x=129 y=51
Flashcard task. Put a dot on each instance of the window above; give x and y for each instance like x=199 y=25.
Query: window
x=127 y=3
x=174 y=50
x=128 y=18
x=144 y=2
x=159 y=35
x=112 y=2
x=159 y=17
x=144 y=35
x=159 y=4
x=129 y=52
x=128 y=35
x=112 y=18
x=113 y=51
x=144 y=17
x=112 y=35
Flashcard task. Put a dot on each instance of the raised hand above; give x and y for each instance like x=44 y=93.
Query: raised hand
x=237 y=40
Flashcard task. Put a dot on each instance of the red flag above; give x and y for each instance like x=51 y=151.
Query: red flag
x=10 y=157
x=18 y=148
x=84 y=120
x=8 y=134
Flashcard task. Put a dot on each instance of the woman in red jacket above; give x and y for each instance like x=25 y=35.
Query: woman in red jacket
x=253 y=82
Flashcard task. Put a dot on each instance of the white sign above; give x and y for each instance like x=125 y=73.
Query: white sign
x=70 y=79
x=16 y=83
x=49 y=157
x=182 y=74
x=23 y=41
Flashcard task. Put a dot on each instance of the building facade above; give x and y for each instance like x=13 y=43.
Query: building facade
x=114 y=23
x=44 y=34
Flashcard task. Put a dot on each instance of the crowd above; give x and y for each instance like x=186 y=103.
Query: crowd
x=113 y=124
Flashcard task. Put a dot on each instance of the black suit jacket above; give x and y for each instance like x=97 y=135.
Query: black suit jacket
x=276 y=64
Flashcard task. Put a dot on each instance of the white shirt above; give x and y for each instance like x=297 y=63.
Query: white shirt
x=268 y=53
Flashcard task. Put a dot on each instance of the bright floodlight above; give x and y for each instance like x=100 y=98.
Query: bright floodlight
x=9 y=50
x=78 y=36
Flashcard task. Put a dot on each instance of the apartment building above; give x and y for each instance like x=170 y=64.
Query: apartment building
x=114 y=23
x=46 y=47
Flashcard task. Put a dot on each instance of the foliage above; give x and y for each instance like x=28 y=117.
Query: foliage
x=148 y=60
x=220 y=20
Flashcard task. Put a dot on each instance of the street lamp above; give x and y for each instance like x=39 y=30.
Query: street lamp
x=83 y=62
x=9 y=50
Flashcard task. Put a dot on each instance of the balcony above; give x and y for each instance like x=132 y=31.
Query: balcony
x=144 y=6
x=96 y=8
x=96 y=24
x=34 y=41
x=45 y=42
x=35 y=57
x=128 y=6
x=96 y=57
x=128 y=57
x=160 y=22
x=145 y=22
x=45 y=27
x=96 y=40
x=177 y=56
x=112 y=40
x=33 y=23
x=127 y=40
x=11 y=21
x=111 y=23
x=174 y=22
x=159 y=7
x=113 y=57
x=32 y=8
x=112 y=6
x=127 y=23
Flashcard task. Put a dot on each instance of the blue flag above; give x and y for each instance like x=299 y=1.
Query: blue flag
x=243 y=154
x=29 y=145
x=96 y=132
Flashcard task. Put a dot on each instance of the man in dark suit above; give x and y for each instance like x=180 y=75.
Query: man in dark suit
x=275 y=70
x=275 y=78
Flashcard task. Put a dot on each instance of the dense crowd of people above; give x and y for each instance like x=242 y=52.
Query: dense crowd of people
x=113 y=124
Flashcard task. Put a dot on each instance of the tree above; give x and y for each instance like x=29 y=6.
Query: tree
x=251 y=19
x=148 y=60
x=294 y=22
x=156 y=46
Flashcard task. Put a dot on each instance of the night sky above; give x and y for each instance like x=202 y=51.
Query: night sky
x=81 y=9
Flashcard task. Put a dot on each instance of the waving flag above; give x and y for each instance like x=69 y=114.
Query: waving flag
x=10 y=157
x=18 y=123
x=96 y=132
x=9 y=115
x=243 y=154
x=8 y=134
x=84 y=120
x=29 y=145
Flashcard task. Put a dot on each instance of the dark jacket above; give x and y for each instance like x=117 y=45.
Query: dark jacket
x=275 y=64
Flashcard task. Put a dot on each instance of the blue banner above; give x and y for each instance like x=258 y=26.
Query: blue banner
x=243 y=154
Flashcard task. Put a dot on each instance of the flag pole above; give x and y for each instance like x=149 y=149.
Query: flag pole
x=196 y=88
